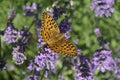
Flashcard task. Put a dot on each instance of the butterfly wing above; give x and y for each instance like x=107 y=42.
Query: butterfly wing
x=51 y=35
x=64 y=46
x=49 y=28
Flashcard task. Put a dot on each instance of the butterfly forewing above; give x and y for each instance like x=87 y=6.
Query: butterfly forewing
x=49 y=28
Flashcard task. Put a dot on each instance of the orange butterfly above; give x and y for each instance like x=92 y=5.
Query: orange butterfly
x=56 y=41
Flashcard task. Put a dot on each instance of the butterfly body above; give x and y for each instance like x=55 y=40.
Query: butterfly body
x=56 y=41
x=56 y=38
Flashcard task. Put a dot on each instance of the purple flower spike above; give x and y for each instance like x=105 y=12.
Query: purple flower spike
x=31 y=77
x=18 y=56
x=40 y=43
x=64 y=26
x=83 y=68
x=10 y=34
x=103 y=60
x=31 y=66
x=30 y=9
x=47 y=75
x=45 y=60
x=102 y=7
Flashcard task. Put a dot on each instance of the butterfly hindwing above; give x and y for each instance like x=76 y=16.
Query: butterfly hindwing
x=64 y=46
x=49 y=28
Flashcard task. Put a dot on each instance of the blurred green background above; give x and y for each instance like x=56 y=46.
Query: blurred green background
x=83 y=24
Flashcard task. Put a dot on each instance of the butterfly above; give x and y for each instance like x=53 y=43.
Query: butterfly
x=55 y=40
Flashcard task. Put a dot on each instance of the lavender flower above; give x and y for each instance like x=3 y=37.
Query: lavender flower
x=102 y=60
x=64 y=26
x=18 y=56
x=97 y=31
x=83 y=68
x=45 y=59
x=66 y=35
x=10 y=34
x=102 y=42
x=31 y=77
x=40 y=43
x=30 y=9
x=102 y=7
x=24 y=37
x=46 y=75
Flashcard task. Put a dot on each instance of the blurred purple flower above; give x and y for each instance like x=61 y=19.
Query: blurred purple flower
x=31 y=77
x=64 y=26
x=79 y=51
x=102 y=60
x=40 y=43
x=23 y=73
x=102 y=42
x=97 y=31
x=83 y=68
x=66 y=35
x=23 y=38
x=29 y=10
x=31 y=66
x=102 y=7
x=47 y=74
x=45 y=59
x=10 y=34
x=18 y=55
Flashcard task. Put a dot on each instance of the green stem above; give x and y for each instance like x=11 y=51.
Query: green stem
x=30 y=26
x=59 y=72
x=42 y=74
x=61 y=68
